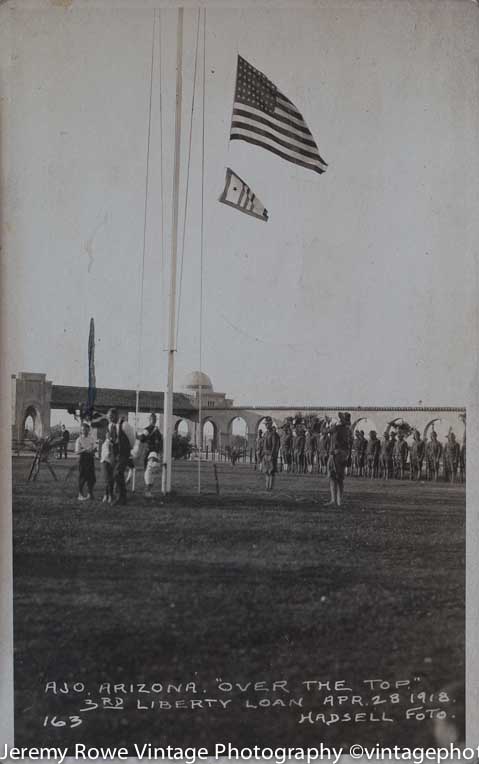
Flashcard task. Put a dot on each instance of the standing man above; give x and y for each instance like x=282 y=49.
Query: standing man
x=286 y=446
x=271 y=445
x=418 y=450
x=362 y=453
x=401 y=451
x=452 y=453
x=85 y=447
x=308 y=449
x=259 y=450
x=356 y=453
x=64 y=443
x=121 y=452
x=384 y=457
x=433 y=455
x=153 y=438
x=299 y=443
x=323 y=448
x=373 y=449
x=391 y=451
x=339 y=456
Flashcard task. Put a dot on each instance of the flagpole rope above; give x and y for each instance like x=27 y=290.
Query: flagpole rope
x=163 y=227
x=145 y=216
x=240 y=17
x=202 y=248
x=185 y=213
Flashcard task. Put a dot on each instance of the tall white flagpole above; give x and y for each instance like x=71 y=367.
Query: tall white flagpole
x=168 y=401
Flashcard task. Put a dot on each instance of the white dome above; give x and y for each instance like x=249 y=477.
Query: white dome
x=196 y=380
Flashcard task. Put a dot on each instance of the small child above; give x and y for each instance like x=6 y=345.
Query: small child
x=85 y=446
x=107 y=460
x=152 y=469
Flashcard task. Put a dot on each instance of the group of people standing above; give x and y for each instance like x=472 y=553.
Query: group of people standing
x=332 y=448
x=293 y=451
x=116 y=453
x=394 y=457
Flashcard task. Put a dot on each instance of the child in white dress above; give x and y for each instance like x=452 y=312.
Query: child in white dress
x=107 y=461
x=152 y=470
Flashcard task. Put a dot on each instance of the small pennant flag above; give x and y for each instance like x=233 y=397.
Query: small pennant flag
x=91 y=368
x=262 y=115
x=238 y=194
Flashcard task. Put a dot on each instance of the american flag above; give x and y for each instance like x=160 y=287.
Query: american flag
x=262 y=115
x=238 y=194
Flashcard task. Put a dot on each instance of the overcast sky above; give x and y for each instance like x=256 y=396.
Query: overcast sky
x=359 y=289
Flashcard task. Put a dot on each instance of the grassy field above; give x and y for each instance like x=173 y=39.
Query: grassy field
x=238 y=587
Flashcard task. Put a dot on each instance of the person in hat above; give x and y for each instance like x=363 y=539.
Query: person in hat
x=373 y=450
x=323 y=447
x=64 y=443
x=107 y=463
x=356 y=453
x=384 y=457
x=286 y=438
x=308 y=449
x=433 y=456
x=339 y=456
x=299 y=443
x=452 y=453
x=259 y=450
x=416 y=456
x=271 y=443
x=152 y=470
x=401 y=452
x=152 y=437
x=85 y=447
x=121 y=451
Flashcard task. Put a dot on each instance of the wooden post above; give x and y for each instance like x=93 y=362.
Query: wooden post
x=215 y=469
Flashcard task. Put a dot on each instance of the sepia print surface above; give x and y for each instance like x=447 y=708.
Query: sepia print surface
x=314 y=172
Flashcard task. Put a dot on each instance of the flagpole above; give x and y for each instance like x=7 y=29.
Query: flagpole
x=168 y=400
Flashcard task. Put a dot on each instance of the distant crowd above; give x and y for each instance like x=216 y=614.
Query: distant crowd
x=326 y=446
x=401 y=453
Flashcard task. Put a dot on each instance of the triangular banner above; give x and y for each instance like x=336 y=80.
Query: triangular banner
x=238 y=194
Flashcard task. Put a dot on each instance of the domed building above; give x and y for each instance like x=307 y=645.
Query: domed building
x=196 y=380
x=196 y=383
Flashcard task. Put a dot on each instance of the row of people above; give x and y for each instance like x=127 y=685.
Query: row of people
x=339 y=436
x=393 y=457
x=306 y=448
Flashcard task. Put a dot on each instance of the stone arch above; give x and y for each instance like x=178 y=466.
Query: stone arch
x=368 y=425
x=209 y=434
x=32 y=411
x=443 y=424
x=238 y=426
x=394 y=423
x=429 y=426
x=182 y=427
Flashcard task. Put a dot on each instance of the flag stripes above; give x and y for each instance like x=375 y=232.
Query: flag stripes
x=255 y=142
x=265 y=117
x=293 y=146
x=252 y=117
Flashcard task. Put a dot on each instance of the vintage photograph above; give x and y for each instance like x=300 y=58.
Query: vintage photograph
x=240 y=284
